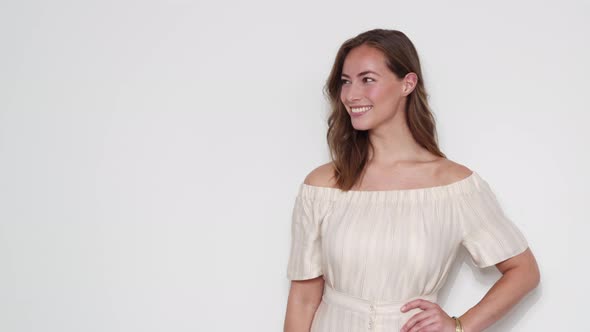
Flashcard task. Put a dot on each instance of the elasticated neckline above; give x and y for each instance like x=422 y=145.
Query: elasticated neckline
x=466 y=185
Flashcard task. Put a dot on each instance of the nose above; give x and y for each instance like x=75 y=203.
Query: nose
x=352 y=93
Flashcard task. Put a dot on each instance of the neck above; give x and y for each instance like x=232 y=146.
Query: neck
x=394 y=144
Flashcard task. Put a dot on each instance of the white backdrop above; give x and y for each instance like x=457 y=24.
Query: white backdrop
x=150 y=151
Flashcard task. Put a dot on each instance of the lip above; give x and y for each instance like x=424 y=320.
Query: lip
x=356 y=115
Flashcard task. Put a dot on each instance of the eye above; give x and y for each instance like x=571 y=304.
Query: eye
x=365 y=79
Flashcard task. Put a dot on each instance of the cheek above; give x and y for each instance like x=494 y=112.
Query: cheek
x=382 y=94
x=376 y=93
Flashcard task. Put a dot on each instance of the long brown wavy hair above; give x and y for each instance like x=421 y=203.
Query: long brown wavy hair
x=349 y=148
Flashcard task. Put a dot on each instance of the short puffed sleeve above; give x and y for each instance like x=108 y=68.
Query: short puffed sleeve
x=305 y=258
x=489 y=235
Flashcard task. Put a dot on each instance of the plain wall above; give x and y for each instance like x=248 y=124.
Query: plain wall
x=150 y=151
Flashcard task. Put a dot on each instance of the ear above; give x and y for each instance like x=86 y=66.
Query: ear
x=409 y=83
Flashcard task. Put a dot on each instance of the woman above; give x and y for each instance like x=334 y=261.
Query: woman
x=375 y=231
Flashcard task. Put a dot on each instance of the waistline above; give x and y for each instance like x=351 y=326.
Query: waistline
x=332 y=296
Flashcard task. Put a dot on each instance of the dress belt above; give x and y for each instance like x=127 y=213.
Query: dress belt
x=378 y=307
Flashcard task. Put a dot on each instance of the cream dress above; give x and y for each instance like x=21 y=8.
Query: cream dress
x=377 y=250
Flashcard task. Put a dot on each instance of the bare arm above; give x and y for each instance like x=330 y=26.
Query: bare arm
x=304 y=298
x=520 y=274
x=305 y=295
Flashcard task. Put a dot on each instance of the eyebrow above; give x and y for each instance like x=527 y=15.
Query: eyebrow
x=363 y=73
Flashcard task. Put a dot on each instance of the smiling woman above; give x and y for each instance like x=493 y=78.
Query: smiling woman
x=378 y=86
x=375 y=77
x=375 y=231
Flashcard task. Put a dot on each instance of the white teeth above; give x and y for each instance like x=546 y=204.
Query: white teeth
x=361 y=109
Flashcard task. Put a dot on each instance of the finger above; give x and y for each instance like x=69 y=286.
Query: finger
x=417 y=318
x=419 y=303
x=424 y=325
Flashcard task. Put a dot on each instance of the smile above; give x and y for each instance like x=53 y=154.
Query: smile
x=358 y=111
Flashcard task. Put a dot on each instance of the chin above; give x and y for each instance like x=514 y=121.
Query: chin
x=361 y=127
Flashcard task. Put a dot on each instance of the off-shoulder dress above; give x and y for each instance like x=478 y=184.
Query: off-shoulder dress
x=377 y=250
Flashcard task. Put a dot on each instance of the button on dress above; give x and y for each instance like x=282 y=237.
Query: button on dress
x=377 y=250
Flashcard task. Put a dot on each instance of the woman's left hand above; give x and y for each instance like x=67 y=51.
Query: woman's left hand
x=431 y=319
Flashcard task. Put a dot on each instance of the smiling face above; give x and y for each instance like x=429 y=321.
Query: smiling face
x=371 y=92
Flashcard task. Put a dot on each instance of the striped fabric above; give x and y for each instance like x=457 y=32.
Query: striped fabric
x=376 y=249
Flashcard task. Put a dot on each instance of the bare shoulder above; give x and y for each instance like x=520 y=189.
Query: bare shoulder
x=321 y=176
x=452 y=171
